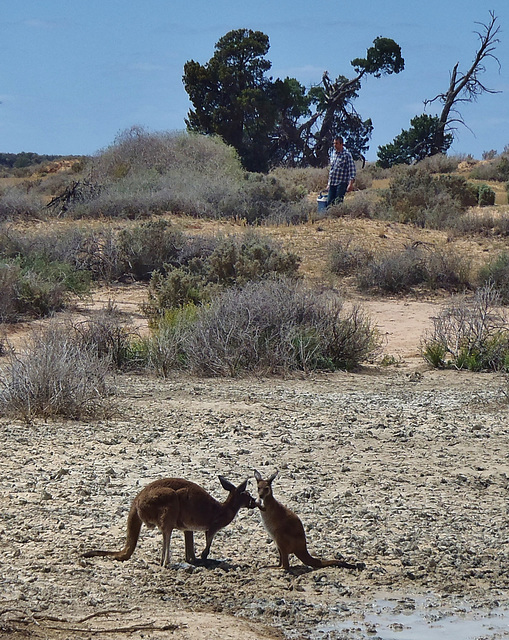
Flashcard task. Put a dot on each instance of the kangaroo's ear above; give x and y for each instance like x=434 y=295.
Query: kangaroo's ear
x=273 y=477
x=242 y=486
x=257 y=475
x=226 y=484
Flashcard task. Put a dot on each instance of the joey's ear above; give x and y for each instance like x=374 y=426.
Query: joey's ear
x=273 y=477
x=257 y=475
x=242 y=486
x=226 y=484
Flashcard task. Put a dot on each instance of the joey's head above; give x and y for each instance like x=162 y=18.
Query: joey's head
x=264 y=489
x=238 y=495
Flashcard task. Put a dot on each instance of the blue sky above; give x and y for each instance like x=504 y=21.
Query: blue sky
x=75 y=73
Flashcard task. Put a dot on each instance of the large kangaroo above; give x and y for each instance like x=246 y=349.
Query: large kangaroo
x=173 y=503
x=287 y=531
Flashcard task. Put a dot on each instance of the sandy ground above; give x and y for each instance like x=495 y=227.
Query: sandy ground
x=403 y=468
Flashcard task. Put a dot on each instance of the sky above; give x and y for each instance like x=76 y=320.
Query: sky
x=76 y=73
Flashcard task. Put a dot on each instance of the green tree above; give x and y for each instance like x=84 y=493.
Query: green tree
x=414 y=144
x=273 y=122
x=231 y=96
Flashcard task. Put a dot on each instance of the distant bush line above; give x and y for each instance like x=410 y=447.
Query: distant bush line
x=39 y=272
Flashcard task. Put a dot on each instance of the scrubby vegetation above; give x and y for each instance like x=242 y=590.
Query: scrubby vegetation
x=143 y=174
x=401 y=270
x=54 y=375
x=203 y=269
x=233 y=302
x=269 y=326
x=470 y=334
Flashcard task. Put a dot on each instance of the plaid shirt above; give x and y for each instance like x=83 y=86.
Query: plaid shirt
x=342 y=167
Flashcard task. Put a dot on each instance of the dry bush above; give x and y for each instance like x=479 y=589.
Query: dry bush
x=277 y=326
x=149 y=173
x=496 y=170
x=54 y=376
x=440 y=163
x=9 y=279
x=83 y=249
x=16 y=203
x=347 y=258
x=146 y=247
x=111 y=337
x=309 y=179
x=469 y=334
x=360 y=205
x=399 y=271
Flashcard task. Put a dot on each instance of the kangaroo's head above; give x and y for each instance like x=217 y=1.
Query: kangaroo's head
x=264 y=489
x=238 y=496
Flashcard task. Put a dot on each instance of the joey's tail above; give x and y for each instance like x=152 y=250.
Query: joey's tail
x=133 y=532
x=304 y=556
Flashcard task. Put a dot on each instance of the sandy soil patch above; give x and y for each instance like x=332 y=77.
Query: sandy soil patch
x=407 y=473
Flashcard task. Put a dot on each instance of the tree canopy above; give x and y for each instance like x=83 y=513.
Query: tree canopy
x=414 y=144
x=278 y=121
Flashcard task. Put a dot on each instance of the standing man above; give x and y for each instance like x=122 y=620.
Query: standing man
x=341 y=174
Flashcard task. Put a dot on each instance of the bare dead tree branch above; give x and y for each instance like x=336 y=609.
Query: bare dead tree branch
x=466 y=87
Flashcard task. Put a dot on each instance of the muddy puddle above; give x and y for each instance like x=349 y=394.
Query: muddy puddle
x=403 y=618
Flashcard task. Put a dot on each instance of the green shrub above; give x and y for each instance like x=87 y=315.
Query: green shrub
x=166 y=347
x=485 y=196
x=469 y=335
x=177 y=288
x=37 y=287
x=240 y=259
x=233 y=260
x=496 y=273
x=416 y=196
x=93 y=251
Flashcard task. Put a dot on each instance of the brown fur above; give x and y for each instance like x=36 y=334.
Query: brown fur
x=286 y=529
x=174 y=503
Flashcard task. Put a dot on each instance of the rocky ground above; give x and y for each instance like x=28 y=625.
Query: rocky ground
x=402 y=468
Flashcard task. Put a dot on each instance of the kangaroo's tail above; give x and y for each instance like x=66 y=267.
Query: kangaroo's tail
x=133 y=532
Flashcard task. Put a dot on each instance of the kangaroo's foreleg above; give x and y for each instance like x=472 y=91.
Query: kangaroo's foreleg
x=209 y=536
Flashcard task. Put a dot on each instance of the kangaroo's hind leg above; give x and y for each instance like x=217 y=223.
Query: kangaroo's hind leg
x=189 y=540
x=165 y=556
